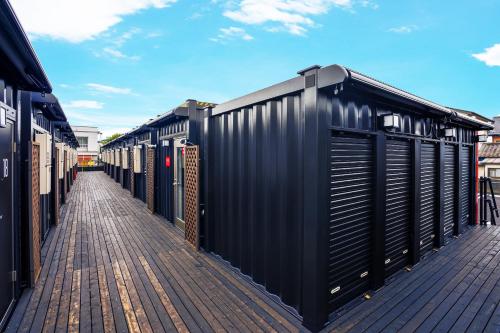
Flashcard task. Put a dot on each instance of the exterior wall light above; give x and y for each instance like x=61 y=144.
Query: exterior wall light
x=481 y=138
x=450 y=132
x=392 y=121
x=3 y=117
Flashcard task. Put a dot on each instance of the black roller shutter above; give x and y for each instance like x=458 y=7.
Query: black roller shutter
x=466 y=184
x=397 y=216
x=428 y=196
x=449 y=189
x=352 y=168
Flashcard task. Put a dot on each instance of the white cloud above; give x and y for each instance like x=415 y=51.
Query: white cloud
x=108 y=51
x=404 y=29
x=293 y=16
x=84 y=104
x=124 y=37
x=109 y=89
x=77 y=20
x=490 y=56
x=227 y=34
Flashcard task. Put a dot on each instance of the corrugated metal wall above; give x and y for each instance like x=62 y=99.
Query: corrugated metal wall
x=449 y=189
x=398 y=201
x=255 y=179
x=466 y=184
x=352 y=186
x=428 y=195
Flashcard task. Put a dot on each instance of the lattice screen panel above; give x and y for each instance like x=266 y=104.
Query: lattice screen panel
x=192 y=180
x=56 y=189
x=35 y=212
x=150 y=180
x=131 y=171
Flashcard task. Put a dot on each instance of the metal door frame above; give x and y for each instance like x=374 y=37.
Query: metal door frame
x=178 y=222
x=11 y=157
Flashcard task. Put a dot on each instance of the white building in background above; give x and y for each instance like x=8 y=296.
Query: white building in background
x=88 y=138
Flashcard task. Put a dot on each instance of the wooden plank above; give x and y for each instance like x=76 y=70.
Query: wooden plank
x=111 y=266
x=400 y=295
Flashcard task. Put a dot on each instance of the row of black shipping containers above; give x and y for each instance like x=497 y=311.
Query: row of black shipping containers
x=321 y=187
x=33 y=180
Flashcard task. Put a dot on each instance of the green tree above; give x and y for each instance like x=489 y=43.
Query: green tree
x=110 y=138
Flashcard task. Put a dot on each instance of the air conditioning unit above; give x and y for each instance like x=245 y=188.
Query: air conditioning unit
x=125 y=158
x=137 y=159
x=60 y=161
x=45 y=142
x=117 y=157
x=68 y=157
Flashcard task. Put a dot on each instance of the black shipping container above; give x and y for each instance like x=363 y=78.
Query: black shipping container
x=321 y=187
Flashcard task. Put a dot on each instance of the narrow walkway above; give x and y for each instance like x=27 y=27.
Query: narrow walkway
x=111 y=266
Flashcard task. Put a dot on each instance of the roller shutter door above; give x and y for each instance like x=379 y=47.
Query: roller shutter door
x=466 y=184
x=397 y=216
x=428 y=196
x=449 y=189
x=352 y=168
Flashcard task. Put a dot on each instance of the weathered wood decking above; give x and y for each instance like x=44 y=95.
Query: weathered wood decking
x=112 y=266
x=456 y=289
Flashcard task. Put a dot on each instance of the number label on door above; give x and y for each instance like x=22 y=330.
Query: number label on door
x=5 y=168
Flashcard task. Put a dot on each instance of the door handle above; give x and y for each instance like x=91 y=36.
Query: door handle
x=5 y=168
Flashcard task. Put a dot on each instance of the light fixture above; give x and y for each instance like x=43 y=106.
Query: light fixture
x=481 y=138
x=3 y=117
x=450 y=132
x=392 y=121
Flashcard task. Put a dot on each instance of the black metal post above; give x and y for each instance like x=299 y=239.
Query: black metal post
x=415 y=217
x=457 y=228
x=481 y=210
x=439 y=228
x=207 y=240
x=378 y=240
x=315 y=201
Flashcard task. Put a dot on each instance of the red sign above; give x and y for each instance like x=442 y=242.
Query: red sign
x=167 y=161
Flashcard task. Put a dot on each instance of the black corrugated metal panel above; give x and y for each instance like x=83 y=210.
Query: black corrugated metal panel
x=449 y=189
x=428 y=196
x=352 y=168
x=466 y=184
x=255 y=177
x=398 y=198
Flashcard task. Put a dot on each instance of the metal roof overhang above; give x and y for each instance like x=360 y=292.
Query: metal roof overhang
x=49 y=105
x=19 y=61
x=337 y=74
x=181 y=111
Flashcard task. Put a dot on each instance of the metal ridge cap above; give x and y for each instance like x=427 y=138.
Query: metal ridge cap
x=276 y=90
x=356 y=76
x=474 y=120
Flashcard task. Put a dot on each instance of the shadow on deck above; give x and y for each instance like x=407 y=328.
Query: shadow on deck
x=111 y=266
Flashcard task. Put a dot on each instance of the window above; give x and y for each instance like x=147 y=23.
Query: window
x=83 y=141
x=494 y=172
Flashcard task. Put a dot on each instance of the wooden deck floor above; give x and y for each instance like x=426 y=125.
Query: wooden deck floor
x=456 y=289
x=111 y=266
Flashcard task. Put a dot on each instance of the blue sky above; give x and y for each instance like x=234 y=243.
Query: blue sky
x=117 y=63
